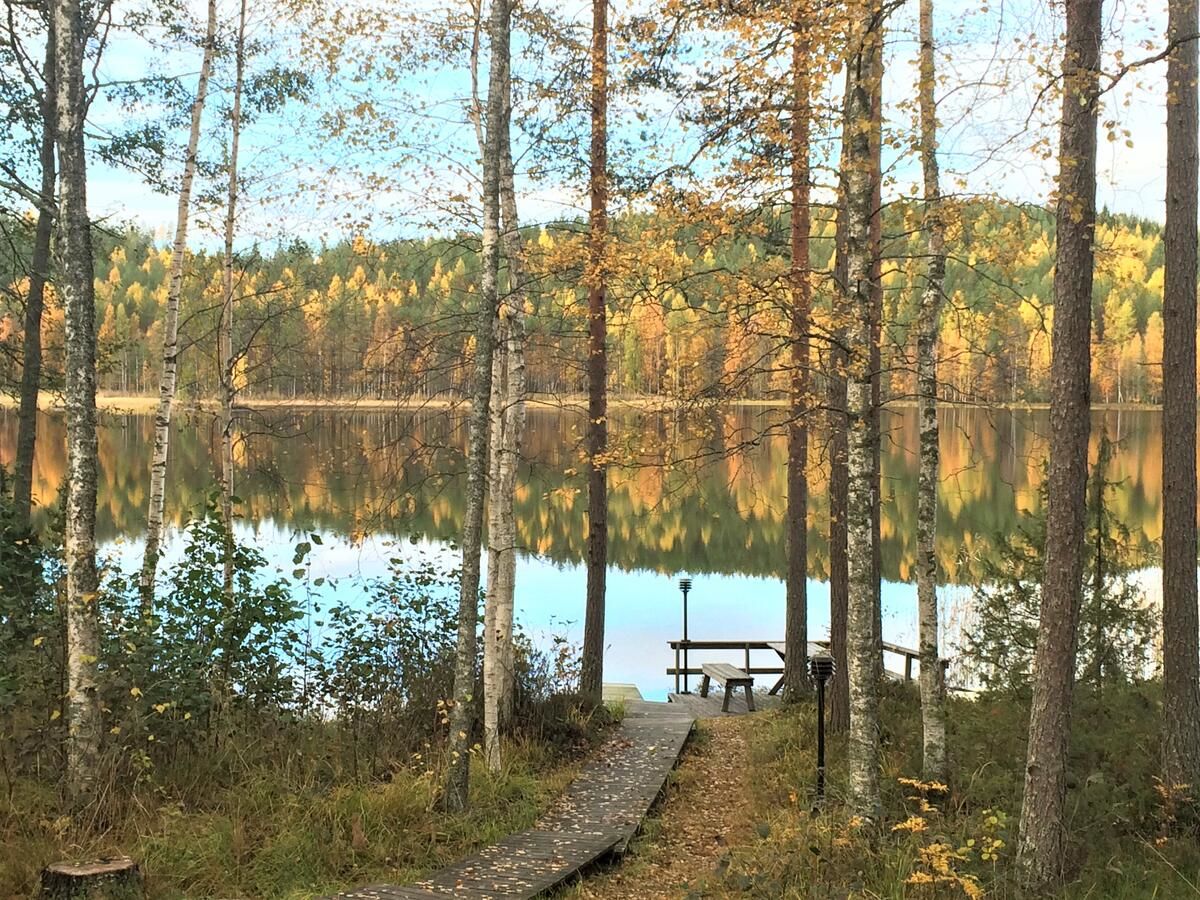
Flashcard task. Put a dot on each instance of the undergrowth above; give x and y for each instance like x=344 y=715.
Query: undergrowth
x=959 y=840
x=251 y=824
x=262 y=743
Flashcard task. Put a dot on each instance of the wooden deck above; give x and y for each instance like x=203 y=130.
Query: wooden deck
x=598 y=815
x=710 y=706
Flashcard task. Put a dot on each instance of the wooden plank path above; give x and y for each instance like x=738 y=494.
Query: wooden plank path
x=704 y=707
x=599 y=814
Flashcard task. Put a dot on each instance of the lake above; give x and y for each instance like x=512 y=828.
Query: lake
x=702 y=494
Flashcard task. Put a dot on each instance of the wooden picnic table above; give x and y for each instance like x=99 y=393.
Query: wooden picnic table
x=780 y=648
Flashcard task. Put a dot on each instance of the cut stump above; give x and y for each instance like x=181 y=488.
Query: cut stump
x=102 y=879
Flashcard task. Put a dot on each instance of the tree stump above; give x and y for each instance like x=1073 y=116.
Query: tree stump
x=102 y=879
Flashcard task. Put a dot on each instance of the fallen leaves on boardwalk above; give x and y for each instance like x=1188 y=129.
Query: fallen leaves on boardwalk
x=705 y=812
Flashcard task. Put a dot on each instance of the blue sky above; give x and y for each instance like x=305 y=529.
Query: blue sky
x=988 y=135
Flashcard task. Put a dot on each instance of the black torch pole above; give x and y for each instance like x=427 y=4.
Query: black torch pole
x=820 y=743
x=821 y=668
x=685 y=585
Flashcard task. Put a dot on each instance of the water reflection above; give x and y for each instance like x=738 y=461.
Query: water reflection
x=704 y=494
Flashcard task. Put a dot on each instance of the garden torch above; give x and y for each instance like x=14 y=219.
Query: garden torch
x=822 y=668
x=685 y=585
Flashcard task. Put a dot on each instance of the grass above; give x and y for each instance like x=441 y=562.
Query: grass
x=246 y=826
x=962 y=844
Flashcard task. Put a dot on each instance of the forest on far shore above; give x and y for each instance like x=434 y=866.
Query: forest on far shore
x=689 y=317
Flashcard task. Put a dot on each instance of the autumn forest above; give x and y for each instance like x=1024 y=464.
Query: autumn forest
x=382 y=380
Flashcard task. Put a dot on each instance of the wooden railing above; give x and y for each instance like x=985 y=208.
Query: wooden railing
x=682 y=648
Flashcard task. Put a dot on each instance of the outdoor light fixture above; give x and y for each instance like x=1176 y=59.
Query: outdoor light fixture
x=685 y=585
x=822 y=669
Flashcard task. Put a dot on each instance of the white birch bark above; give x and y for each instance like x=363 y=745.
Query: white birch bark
x=462 y=711
x=226 y=361
x=166 y=389
x=76 y=287
x=933 y=690
x=863 y=749
x=508 y=426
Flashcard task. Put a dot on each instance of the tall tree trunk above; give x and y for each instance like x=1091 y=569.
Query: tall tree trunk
x=39 y=274
x=1181 y=642
x=839 y=479
x=508 y=425
x=170 y=357
x=226 y=361
x=876 y=332
x=861 y=632
x=1042 y=836
x=515 y=426
x=76 y=288
x=462 y=711
x=933 y=691
x=592 y=674
x=795 y=676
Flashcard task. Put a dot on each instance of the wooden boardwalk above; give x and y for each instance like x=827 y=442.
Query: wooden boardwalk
x=598 y=815
x=703 y=707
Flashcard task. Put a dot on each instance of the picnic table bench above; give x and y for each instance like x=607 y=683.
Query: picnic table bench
x=731 y=677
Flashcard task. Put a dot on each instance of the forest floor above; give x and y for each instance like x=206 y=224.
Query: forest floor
x=259 y=825
x=738 y=820
x=707 y=810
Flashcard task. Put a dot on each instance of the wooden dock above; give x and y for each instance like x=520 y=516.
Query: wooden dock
x=597 y=816
x=710 y=706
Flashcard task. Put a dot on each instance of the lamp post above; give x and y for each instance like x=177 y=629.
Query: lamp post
x=685 y=585
x=822 y=668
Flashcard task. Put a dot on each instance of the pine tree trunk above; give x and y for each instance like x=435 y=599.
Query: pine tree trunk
x=1181 y=642
x=839 y=479
x=76 y=288
x=592 y=674
x=170 y=360
x=933 y=690
x=861 y=631
x=462 y=712
x=226 y=360
x=795 y=676
x=1042 y=842
x=35 y=303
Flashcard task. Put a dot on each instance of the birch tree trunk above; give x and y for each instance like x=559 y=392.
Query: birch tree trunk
x=933 y=690
x=35 y=302
x=839 y=482
x=1041 y=847
x=592 y=674
x=455 y=792
x=876 y=332
x=795 y=675
x=508 y=425
x=226 y=361
x=862 y=647
x=166 y=389
x=76 y=287
x=514 y=431
x=1181 y=641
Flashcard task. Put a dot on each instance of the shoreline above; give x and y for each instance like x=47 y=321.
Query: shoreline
x=146 y=403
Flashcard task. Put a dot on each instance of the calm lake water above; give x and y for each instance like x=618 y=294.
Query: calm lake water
x=702 y=494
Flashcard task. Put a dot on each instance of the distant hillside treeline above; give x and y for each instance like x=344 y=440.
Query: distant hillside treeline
x=689 y=316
